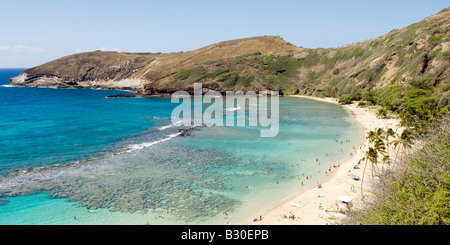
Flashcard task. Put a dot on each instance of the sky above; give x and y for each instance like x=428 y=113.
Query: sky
x=35 y=32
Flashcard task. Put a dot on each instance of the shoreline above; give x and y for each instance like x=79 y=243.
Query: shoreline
x=317 y=206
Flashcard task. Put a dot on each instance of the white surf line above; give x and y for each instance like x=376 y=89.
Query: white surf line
x=135 y=147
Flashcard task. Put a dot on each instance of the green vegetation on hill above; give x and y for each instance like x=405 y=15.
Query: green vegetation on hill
x=417 y=106
x=223 y=75
x=275 y=72
x=405 y=72
x=193 y=74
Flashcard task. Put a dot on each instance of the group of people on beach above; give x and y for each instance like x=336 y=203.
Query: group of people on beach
x=291 y=216
x=258 y=219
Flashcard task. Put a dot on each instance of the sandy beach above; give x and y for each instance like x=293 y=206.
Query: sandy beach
x=317 y=206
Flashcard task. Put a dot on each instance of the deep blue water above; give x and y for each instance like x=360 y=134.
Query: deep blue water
x=43 y=126
x=74 y=152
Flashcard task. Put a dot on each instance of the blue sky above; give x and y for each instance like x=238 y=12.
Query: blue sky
x=35 y=32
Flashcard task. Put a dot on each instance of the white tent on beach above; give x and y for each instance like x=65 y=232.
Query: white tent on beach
x=345 y=199
x=344 y=203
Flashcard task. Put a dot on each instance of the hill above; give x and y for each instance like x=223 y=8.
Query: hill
x=421 y=50
x=390 y=62
x=133 y=71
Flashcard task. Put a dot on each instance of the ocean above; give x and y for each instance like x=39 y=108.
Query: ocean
x=74 y=156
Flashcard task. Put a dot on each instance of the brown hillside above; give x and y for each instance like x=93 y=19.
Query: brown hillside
x=129 y=71
x=421 y=50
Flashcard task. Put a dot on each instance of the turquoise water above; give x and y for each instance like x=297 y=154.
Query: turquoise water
x=73 y=156
x=41 y=126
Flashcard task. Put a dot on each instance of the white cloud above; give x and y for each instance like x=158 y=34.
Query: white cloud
x=4 y=48
x=26 y=49
x=104 y=48
x=108 y=49
x=22 y=49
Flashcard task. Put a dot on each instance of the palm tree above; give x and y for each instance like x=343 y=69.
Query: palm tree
x=380 y=133
x=371 y=136
x=380 y=147
x=408 y=138
x=372 y=156
x=405 y=140
x=381 y=113
x=376 y=138
x=389 y=133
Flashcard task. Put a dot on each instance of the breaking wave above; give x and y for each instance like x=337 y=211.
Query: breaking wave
x=148 y=144
x=233 y=108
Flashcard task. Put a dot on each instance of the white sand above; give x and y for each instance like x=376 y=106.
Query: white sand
x=307 y=207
